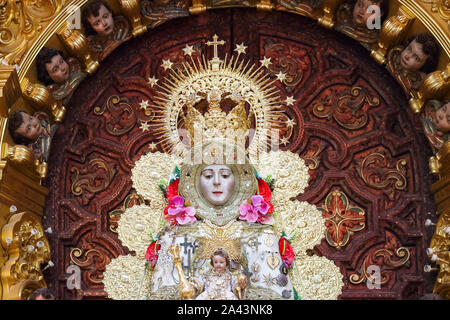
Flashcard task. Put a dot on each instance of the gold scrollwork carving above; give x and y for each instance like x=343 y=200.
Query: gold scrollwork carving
x=392 y=255
x=95 y=177
x=120 y=117
x=337 y=107
x=93 y=260
x=27 y=248
x=378 y=174
x=441 y=8
x=20 y=23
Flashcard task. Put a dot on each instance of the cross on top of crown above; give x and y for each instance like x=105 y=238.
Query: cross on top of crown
x=215 y=61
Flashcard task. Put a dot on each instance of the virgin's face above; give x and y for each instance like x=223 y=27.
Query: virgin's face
x=217 y=183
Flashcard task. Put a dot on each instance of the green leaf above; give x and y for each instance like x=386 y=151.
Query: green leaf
x=296 y=296
x=162 y=184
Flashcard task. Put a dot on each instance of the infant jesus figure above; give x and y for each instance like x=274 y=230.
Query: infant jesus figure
x=220 y=284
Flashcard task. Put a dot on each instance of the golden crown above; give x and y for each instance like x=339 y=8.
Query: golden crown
x=215 y=122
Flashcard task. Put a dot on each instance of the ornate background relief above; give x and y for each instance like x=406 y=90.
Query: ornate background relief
x=344 y=115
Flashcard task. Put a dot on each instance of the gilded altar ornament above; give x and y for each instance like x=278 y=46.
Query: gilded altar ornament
x=138 y=227
x=94 y=177
x=435 y=86
x=265 y=5
x=392 y=31
x=42 y=99
x=27 y=249
x=9 y=86
x=328 y=16
x=77 y=44
x=21 y=23
x=23 y=158
x=391 y=255
x=346 y=107
x=131 y=10
x=197 y=7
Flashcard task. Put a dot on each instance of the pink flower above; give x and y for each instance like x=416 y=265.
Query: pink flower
x=259 y=204
x=247 y=212
x=178 y=212
x=256 y=211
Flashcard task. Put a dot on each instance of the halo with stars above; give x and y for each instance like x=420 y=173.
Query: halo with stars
x=234 y=76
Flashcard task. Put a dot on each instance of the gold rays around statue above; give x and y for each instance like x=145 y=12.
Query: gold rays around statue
x=213 y=81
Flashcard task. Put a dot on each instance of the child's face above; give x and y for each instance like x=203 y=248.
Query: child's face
x=412 y=57
x=58 y=69
x=219 y=263
x=30 y=128
x=442 y=118
x=103 y=24
x=360 y=14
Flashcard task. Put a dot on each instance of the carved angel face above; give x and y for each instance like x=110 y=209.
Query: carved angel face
x=360 y=14
x=217 y=183
x=103 y=24
x=412 y=57
x=58 y=69
x=441 y=118
x=30 y=128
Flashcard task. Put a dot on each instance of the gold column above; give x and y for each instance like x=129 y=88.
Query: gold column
x=392 y=32
x=131 y=10
x=440 y=243
x=329 y=9
x=435 y=86
x=76 y=43
x=42 y=99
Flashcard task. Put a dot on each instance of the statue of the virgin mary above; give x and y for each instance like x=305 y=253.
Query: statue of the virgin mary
x=224 y=224
x=220 y=205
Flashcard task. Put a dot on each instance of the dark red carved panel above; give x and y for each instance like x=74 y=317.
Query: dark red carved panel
x=358 y=136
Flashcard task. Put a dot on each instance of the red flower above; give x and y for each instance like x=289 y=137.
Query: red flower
x=152 y=253
x=286 y=252
x=264 y=190
x=172 y=189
